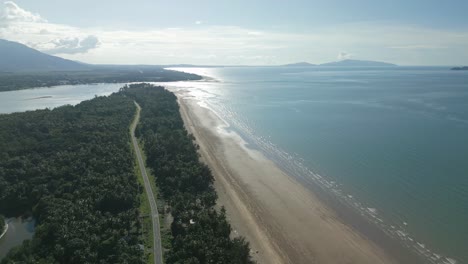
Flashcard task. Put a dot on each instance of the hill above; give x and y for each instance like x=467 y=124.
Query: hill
x=16 y=57
x=299 y=64
x=464 y=68
x=358 y=63
x=22 y=67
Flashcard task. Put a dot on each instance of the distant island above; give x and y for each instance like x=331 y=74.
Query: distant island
x=344 y=63
x=358 y=63
x=299 y=64
x=464 y=68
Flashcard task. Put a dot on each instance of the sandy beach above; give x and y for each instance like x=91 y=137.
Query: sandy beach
x=283 y=221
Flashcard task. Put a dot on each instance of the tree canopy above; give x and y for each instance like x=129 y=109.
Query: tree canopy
x=72 y=169
x=200 y=233
x=118 y=74
x=2 y=224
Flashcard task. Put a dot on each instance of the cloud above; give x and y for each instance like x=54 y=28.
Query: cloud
x=20 y=25
x=254 y=33
x=229 y=45
x=344 y=56
x=11 y=13
x=44 y=32
x=198 y=22
x=70 y=45
x=417 y=47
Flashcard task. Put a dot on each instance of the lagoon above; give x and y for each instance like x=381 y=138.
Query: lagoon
x=51 y=97
x=19 y=229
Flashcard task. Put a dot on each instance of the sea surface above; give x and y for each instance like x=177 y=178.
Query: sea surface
x=391 y=143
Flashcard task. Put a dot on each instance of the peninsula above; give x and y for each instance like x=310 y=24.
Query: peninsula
x=464 y=68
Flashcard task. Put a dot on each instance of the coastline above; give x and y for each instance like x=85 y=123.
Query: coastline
x=283 y=221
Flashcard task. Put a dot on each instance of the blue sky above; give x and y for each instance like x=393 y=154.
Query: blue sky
x=262 y=14
x=242 y=32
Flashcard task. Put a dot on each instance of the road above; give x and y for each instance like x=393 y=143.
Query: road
x=149 y=192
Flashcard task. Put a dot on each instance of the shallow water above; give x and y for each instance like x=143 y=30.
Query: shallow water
x=390 y=142
x=18 y=230
x=41 y=98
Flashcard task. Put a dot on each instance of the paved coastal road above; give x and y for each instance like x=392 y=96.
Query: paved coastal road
x=149 y=192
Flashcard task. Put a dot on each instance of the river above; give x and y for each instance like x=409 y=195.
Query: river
x=41 y=98
x=18 y=230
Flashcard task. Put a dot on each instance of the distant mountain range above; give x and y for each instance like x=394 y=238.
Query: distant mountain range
x=358 y=63
x=344 y=63
x=464 y=68
x=16 y=57
x=299 y=64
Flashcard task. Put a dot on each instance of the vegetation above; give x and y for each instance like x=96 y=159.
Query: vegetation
x=200 y=234
x=2 y=224
x=72 y=168
x=17 y=81
x=145 y=219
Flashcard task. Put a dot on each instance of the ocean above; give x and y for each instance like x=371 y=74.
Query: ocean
x=391 y=143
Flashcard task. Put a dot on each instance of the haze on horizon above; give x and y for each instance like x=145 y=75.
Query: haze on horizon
x=241 y=32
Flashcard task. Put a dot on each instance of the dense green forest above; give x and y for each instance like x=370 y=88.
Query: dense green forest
x=200 y=234
x=17 y=81
x=2 y=224
x=72 y=169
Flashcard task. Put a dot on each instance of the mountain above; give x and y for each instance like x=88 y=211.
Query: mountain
x=16 y=57
x=358 y=63
x=299 y=64
x=464 y=68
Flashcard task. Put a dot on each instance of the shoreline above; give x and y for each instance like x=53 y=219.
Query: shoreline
x=284 y=221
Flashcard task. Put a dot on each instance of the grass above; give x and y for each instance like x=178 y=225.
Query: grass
x=145 y=211
x=165 y=231
x=146 y=224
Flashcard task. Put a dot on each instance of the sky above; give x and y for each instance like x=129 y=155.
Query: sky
x=241 y=32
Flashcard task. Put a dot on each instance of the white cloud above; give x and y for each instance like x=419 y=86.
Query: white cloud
x=417 y=47
x=24 y=26
x=207 y=44
x=344 y=56
x=69 y=45
x=254 y=33
x=11 y=13
x=198 y=22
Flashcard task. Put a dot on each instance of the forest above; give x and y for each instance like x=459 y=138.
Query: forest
x=200 y=233
x=72 y=169
x=109 y=74
x=2 y=224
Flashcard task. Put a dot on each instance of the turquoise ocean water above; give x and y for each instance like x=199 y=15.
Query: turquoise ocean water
x=390 y=142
